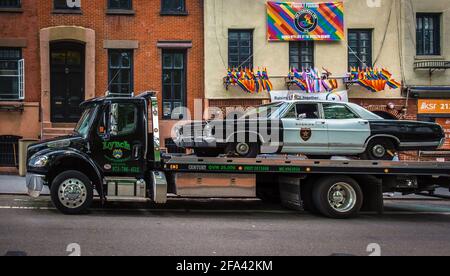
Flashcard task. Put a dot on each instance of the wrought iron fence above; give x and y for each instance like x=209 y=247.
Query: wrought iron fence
x=9 y=151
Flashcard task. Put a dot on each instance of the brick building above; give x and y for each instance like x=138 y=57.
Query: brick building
x=19 y=64
x=75 y=50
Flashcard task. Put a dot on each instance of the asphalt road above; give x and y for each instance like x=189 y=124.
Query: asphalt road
x=220 y=227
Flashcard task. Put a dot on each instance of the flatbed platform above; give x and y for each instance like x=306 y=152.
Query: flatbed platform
x=283 y=165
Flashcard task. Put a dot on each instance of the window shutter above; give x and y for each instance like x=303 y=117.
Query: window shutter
x=21 y=77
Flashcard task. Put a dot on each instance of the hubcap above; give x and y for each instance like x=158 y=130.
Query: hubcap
x=379 y=151
x=242 y=149
x=72 y=193
x=342 y=197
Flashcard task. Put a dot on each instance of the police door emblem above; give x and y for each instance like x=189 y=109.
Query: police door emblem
x=305 y=134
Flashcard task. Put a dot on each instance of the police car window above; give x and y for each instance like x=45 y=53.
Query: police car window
x=338 y=112
x=308 y=111
x=124 y=119
x=292 y=114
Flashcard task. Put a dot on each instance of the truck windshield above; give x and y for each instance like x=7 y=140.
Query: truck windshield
x=83 y=125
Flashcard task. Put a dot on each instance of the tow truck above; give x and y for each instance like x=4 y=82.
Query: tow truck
x=115 y=151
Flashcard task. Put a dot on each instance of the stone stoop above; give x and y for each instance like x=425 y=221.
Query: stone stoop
x=50 y=131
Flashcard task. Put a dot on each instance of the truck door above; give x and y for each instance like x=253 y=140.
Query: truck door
x=347 y=132
x=304 y=131
x=120 y=141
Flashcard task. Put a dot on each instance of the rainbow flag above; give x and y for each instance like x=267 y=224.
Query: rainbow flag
x=289 y=21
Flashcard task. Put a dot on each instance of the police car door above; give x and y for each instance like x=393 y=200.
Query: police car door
x=304 y=131
x=347 y=132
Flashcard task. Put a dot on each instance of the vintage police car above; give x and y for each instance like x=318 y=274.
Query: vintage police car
x=316 y=129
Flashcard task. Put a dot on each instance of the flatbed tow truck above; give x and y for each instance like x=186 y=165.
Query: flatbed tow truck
x=115 y=150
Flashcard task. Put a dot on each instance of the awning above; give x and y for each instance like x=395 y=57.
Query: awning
x=442 y=92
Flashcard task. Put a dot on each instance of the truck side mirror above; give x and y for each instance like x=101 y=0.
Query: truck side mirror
x=113 y=119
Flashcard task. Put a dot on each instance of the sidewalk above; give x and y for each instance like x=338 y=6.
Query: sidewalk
x=13 y=184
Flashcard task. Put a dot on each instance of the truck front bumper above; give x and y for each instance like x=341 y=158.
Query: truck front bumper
x=35 y=184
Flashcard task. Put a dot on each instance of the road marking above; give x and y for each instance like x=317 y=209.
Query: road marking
x=212 y=211
x=27 y=208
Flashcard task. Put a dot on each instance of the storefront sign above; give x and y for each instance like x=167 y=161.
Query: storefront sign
x=289 y=21
x=445 y=123
x=288 y=95
x=434 y=106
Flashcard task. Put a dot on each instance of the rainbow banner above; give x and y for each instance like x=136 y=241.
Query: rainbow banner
x=289 y=21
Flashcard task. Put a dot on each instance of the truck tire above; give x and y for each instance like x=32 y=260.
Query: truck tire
x=337 y=197
x=379 y=149
x=72 y=192
x=243 y=149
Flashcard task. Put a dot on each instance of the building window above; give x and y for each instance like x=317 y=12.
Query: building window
x=240 y=48
x=174 y=83
x=173 y=7
x=120 y=4
x=67 y=5
x=428 y=34
x=11 y=74
x=121 y=72
x=10 y=4
x=360 y=48
x=301 y=54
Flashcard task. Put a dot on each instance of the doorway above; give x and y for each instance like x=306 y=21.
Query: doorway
x=67 y=69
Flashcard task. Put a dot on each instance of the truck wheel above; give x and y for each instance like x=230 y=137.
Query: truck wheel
x=379 y=149
x=72 y=192
x=337 y=197
x=243 y=149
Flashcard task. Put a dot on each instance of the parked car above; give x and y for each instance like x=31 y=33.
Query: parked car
x=316 y=129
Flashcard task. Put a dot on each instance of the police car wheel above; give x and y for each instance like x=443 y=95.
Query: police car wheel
x=243 y=149
x=380 y=149
x=337 y=197
x=72 y=192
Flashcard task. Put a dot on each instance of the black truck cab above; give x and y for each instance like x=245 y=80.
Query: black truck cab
x=110 y=141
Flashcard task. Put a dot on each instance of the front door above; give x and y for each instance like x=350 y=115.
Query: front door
x=67 y=81
x=119 y=141
x=347 y=131
x=304 y=131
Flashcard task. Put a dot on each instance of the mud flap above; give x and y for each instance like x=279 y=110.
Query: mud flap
x=372 y=188
x=290 y=193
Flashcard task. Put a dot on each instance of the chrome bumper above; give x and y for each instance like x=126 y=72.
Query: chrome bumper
x=35 y=184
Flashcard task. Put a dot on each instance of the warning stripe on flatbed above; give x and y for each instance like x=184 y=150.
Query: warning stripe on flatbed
x=288 y=166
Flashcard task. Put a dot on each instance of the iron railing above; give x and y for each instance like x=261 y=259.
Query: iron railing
x=9 y=151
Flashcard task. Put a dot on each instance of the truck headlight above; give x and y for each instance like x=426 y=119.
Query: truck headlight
x=38 y=162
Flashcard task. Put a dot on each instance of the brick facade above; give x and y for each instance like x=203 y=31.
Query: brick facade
x=19 y=29
x=147 y=27
x=145 y=30
x=20 y=119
